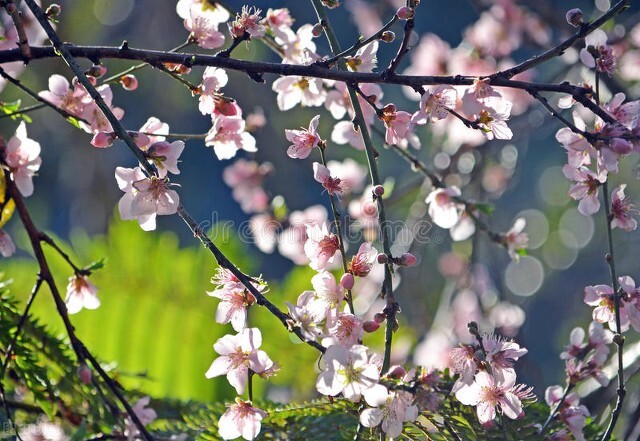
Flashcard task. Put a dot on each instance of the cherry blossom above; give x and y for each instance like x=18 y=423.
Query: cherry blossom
x=501 y=354
x=7 y=247
x=155 y=130
x=22 y=156
x=247 y=21
x=245 y=178
x=235 y=299
x=241 y=420
x=307 y=319
x=622 y=210
x=586 y=188
x=352 y=175
x=204 y=28
x=60 y=94
x=329 y=294
x=81 y=293
x=334 y=186
x=95 y=119
x=602 y=297
x=292 y=240
x=343 y=329
x=365 y=59
x=238 y=354
x=397 y=123
x=145 y=414
x=215 y=12
x=304 y=140
x=515 y=239
x=164 y=156
x=307 y=92
x=144 y=197
x=361 y=264
x=227 y=136
x=213 y=79
x=443 y=209
x=491 y=395
x=348 y=371
x=435 y=106
x=571 y=412
x=390 y=409
x=344 y=133
x=321 y=247
x=602 y=58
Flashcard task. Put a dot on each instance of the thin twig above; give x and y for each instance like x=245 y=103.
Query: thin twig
x=13 y=9
x=403 y=49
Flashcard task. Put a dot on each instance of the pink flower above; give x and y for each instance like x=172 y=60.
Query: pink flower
x=81 y=294
x=308 y=92
x=344 y=329
x=212 y=80
x=292 y=240
x=22 y=156
x=241 y=419
x=623 y=210
x=602 y=58
x=164 y=156
x=344 y=133
x=602 y=297
x=501 y=354
x=245 y=178
x=586 y=189
x=493 y=122
x=571 y=413
x=235 y=299
x=515 y=239
x=365 y=59
x=145 y=414
x=227 y=136
x=96 y=120
x=443 y=209
x=303 y=140
x=390 y=409
x=61 y=95
x=320 y=247
x=491 y=396
x=7 y=247
x=144 y=197
x=238 y=354
x=247 y=21
x=305 y=317
x=397 y=123
x=329 y=295
x=352 y=175
x=154 y=130
x=348 y=371
x=435 y=106
x=323 y=176
x=363 y=261
x=203 y=28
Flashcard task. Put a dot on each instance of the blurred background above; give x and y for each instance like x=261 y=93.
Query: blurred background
x=157 y=323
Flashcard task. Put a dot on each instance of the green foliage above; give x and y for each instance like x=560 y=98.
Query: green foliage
x=11 y=107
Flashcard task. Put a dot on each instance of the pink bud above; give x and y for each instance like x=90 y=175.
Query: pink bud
x=407 y=259
x=103 y=139
x=620 y=145
x=317 y=30
x=405 y=13
x=574 y=17
x=396 y=372
x=129 y=82
x=370 y=326
x=347 y=281
x=379 y=318
x=383 y=258
x=84 y=373
x=388 y=36
x=378 y=190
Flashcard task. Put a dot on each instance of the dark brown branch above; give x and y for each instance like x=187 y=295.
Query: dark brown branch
x=23 y=43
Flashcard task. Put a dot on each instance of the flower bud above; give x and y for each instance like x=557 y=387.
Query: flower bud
x=96 y=71
x=103 y=139
x=347 y=281
x=317 y=30
x=370 y=326
x=407 y=259
x=388 y=36
x=84 y=374
x=379 y=318
x=574 y=17
x=53 y=10
x=378 y=190
x=129 y=82
x=383 y=258
x=405 y=13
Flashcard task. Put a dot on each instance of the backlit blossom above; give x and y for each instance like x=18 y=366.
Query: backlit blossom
x=515 y=239
x=306 y=318
x=308 y=92
x=501 y=354
x=247 y=21
x=602 y=57
x=586 y=188
x=347 y=371
x=390 y=409
x=435 y=106
x=490 y=396
x=329 y=294
x=213 y=79
x=245 y=178
x=62 y=95
x=203 y=28
x=343 y=329
x=623 y=210
x=164 y=156
x=323 y=176
x=361 y=264
x=238 y=354
x=303 y=140
x=241 y=420
x=571 y=412
x=144 y=197
x=81 y=294
x=398 y=124
x=443 y=209
x=321 y=247
x=602 y=297
x=365 y=59
x=22 y=156
x=228 y=135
